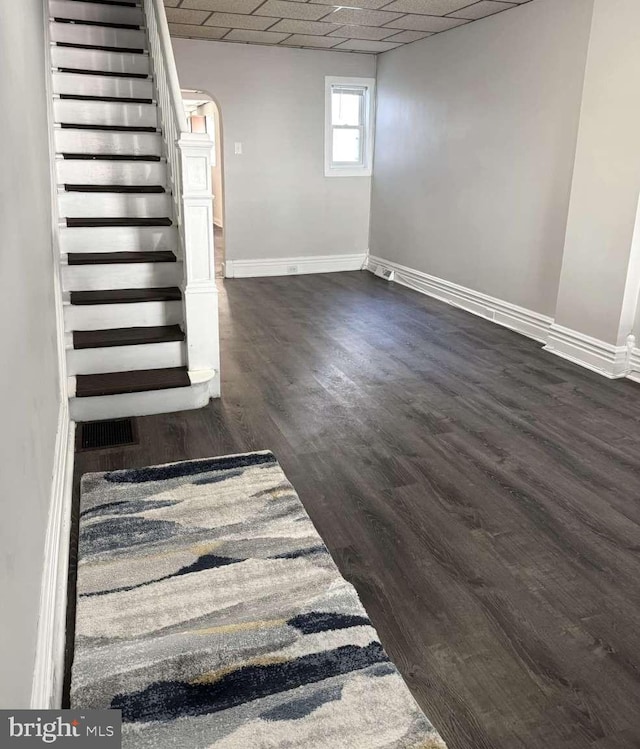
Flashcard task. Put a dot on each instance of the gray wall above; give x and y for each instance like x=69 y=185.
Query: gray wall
x=278 y=203
x=600 y=273
x=475 y=146
x=29 y=395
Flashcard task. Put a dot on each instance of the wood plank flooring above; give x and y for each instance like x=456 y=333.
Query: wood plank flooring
x=482 y=495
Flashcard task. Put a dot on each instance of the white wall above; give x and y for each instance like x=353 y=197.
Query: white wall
x=29 y=396
x=278 y=203
x=475 y=145
x=599 y=284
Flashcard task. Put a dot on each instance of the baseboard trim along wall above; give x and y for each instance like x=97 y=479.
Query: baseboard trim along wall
x=613 y=362
x=48 y=674
x=610 y=361
x=293 y=266
x=525 y=321
x=634 y=364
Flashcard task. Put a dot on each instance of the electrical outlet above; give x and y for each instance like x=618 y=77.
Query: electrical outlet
x=292 y=268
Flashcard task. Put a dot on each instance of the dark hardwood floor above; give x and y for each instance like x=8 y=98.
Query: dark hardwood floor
x=482 y=495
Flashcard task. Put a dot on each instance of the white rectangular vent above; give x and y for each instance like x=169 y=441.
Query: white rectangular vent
x=383 y=272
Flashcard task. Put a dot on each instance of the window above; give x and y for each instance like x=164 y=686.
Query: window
x=348 y=126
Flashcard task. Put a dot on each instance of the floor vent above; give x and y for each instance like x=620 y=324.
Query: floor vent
x=95 y=435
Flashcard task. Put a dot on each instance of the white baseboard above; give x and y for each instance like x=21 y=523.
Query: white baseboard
x=598 y=356
x=293 y=266
x=529 y=323
x=634 y=365
x=49 y=663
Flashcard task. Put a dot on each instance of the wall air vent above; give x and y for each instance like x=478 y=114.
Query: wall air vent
x=386 y=273
x=96 y=435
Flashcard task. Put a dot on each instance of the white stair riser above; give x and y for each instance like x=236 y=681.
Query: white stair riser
x=97 y=85
x=139 y=404
x=106 y=316
x=110 y=62
x=114 y=144
x=97 y=36
x=126 y=358
x=113 y=205
x=95 y=12
x=118 y=239
x=79 y=172
x=121 y=276
x=104 y=113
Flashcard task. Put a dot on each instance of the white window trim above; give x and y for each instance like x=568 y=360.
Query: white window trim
x=334 y=170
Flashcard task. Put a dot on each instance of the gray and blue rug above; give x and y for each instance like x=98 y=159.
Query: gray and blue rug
x=210 y=612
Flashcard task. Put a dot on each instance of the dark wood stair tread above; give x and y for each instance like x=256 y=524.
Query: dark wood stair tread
x=109 y=128
x=121 y=99
x=113 y=258
x=103 y=48
x=111 y=157
x=115 y=188
x=103 y=24
x=136 y=381
x=111 y=2
x=103 y=222
x=126 y=296
x=82 y=71
x=83 y=339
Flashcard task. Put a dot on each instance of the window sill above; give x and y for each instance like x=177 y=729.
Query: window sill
x=347 y=172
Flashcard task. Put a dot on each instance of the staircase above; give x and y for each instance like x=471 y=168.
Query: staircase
x=135 y=239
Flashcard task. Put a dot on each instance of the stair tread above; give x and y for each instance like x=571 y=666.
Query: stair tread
x=136 y=381
x=103 y=24
x=110 y=258
x=111 y=2
x=126 y=296
x=115 y=188
x=111 y=73
x=100 y=222
x=111 y=157
x=114 y=99
x=104 y=48
x=109 y=128
x=83 y=339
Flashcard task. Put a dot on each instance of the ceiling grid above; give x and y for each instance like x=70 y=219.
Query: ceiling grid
x=370 y=26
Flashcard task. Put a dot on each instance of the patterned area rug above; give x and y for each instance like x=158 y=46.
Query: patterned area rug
x=210 y=612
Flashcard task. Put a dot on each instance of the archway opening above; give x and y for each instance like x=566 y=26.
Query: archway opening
x=203 y=116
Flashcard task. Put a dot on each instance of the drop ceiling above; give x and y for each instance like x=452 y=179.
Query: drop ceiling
x=362 y=26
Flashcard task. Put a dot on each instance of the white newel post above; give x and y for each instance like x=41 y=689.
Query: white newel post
x=199 y=291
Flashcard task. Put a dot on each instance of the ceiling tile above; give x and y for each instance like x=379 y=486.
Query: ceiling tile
x=370 y=4
x=361 y=17
x=426 y=23
x=239 y=21
x=429 y=7
x=305 y=27
x=363 y=32
x=198 y=32
x=306 y=40
x=362 y=45
x=256 y=37
x=482 y=10
x=406 y=37
x=284 y=9
x=179 y=15
x=363 y=26
x=224 y=6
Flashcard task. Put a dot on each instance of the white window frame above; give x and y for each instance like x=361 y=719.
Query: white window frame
x=332 y=169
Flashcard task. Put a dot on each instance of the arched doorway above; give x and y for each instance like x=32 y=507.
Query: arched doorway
x=203 y=115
